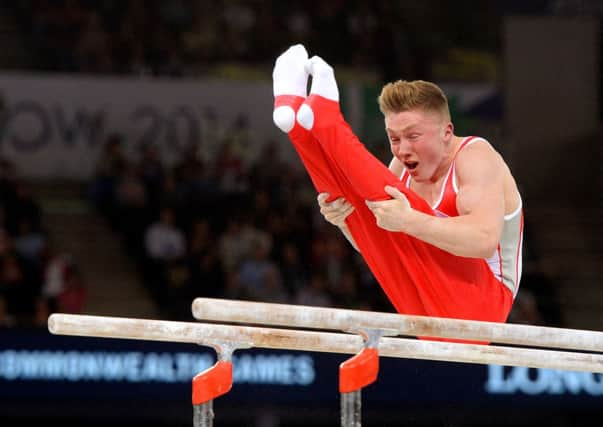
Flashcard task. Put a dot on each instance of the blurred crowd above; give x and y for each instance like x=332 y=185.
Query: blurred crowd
x=35 y=278
x=184 y=37
x=227 y=228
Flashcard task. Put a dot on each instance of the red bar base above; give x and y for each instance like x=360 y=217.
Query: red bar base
x=359 y=371
x=212 y=382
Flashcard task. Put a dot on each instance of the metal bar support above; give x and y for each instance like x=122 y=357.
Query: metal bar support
x=213 y=382
x=358 y=372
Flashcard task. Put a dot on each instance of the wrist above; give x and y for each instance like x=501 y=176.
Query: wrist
x=414 y=222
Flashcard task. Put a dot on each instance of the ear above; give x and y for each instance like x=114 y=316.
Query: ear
x=448 y=131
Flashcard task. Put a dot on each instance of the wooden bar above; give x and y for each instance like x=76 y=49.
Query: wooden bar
x=290 y=339
x=297 y=316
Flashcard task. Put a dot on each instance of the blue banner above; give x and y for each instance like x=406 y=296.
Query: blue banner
x=35 y=365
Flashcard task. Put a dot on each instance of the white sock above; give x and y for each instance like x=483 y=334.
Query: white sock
x=305 y=117
x=323 y=79
x=290 y=76
x=284 y=118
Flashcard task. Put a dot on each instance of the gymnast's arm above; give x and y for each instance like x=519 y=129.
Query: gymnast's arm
x=477 y=230
x=335 y=212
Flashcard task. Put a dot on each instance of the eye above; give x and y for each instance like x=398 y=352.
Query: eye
x=413 y=136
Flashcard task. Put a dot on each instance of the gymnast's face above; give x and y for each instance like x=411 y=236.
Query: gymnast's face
x=420 y=140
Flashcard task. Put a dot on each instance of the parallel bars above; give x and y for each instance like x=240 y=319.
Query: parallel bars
x=331 y=342
x=364 y=336
x=351 y=320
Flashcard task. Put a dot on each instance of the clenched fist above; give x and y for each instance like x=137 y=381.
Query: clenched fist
x=391 y=214
x=336 y=211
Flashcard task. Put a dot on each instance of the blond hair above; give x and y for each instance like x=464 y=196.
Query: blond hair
x=403 y=95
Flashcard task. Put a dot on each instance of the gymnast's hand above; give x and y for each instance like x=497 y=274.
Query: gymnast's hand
x=391 y=214
x=336 y=211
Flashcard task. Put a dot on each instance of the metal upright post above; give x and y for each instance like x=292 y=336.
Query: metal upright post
x=211 y=383
x=355 y=374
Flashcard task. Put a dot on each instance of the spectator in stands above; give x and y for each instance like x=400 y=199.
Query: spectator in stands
x=25 y=206
x=272 y=289
x=151 y=171
x=229 y=170
x=194 y=176
x=172 y=193
x=230 y=245
x=73 y=296
x=206 y=270
x=56 y=265
x=164 y=240
x=165 y=249
x=256 y=266
x=235 y=243
x=109 y=168
x=30 y=243
x=294 y=271
x=131 y=207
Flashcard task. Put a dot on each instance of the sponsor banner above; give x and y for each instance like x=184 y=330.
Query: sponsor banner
x=55 y=125
x=35 y=365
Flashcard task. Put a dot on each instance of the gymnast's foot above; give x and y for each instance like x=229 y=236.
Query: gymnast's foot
x=322 y=105
x=289 y=84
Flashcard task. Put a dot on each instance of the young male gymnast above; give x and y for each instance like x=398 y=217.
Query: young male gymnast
x=441 y=229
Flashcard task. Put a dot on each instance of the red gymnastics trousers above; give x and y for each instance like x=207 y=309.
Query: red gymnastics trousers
x=417 y=277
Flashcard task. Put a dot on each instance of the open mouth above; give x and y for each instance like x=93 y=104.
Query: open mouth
x=411 y=165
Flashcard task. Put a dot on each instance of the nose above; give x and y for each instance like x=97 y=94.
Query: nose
x=400 y=149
